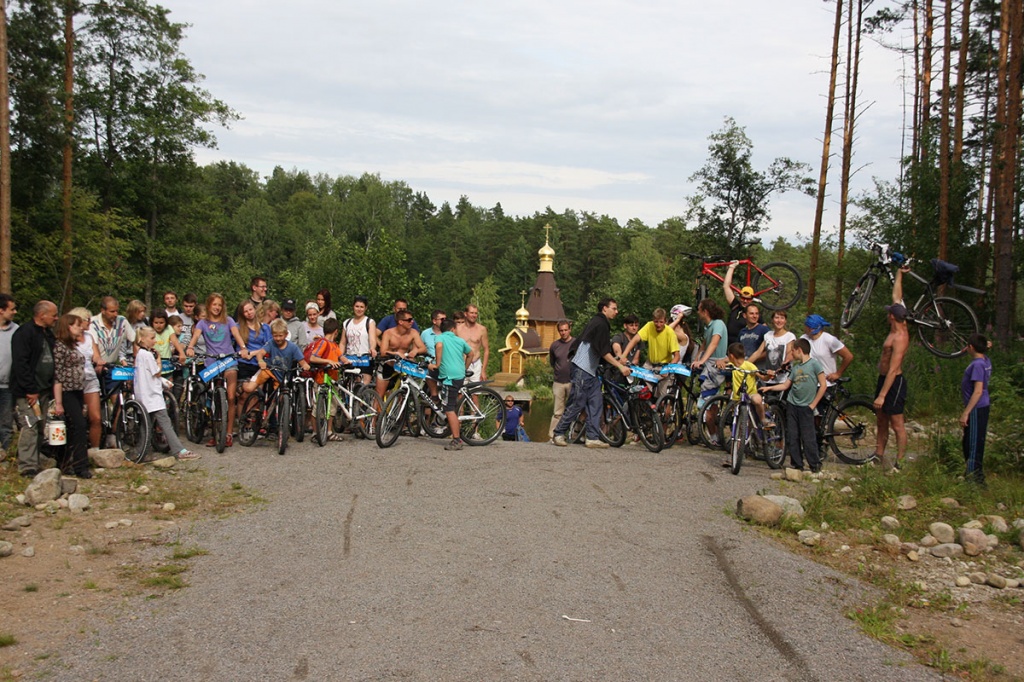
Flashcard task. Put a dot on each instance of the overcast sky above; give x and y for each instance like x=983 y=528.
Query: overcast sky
x=603 y=106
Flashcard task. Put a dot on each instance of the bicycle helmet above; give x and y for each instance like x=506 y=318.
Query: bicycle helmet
x=680 y=310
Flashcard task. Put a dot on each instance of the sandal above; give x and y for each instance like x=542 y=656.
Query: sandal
x=335 y=438
x=188 y=454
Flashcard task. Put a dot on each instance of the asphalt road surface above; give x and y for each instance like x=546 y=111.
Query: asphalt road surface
x=518 y=561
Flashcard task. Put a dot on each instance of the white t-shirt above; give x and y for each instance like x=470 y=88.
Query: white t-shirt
x=775 y=348
x=824 y=349
x=85 y=347
x=149 y=389
x=357 y=337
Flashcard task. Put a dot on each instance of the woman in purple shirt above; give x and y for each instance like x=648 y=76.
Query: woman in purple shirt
x=974 y=418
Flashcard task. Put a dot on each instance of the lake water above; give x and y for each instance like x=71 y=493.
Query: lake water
x=538 y=419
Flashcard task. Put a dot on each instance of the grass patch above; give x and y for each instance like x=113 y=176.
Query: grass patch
x=188 y=552
x=90 y=585
x=31 y=587
x=7 y=640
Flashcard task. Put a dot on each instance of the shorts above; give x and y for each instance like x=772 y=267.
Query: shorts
x=711 y=379
x=385 y=372
x=475 y=368
x=450 y=395
x=262 y=376
x=896 y=398
x=92 y=385
x=247 y=371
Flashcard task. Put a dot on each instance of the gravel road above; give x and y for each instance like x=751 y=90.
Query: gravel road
x=513 y=561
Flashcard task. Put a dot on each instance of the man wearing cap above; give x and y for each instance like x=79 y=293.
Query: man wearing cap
x=891 y=389
x=735 y=321
x=825 y=347
x=293 y=322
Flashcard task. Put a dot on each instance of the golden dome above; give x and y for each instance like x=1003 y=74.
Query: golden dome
x=546 y=253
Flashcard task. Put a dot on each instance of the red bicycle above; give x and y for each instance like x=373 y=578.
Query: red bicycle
x=777 y=286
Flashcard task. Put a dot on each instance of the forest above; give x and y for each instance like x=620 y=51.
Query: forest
x=101 y=194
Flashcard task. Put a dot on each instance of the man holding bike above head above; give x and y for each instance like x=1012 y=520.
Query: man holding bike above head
x=737 y=304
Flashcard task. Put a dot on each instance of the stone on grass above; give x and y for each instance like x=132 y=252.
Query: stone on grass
x=963 y=581
x=18 y=523
x=890 y=522
x=998 y=523
x=142 y=490
x=928 y=541
x=1020 y=539
x=776 y=476
x=995 y=580
x=908 y=547
x=891 y=539
x=107 y=458
x=795 y=475
x=943 y=532
x=6 y=548
x=28 y=552
x=913 y=556
x=973 y=540
x=1018 y=524
x=974 y=524
x=978 y=577
x=906 y=502
x=947 y=549
x=45 y=487
x=1012 y=583
x=165 y=462
x=846 y=490
x=949 y=502
x=110 y=525
x=78 y=503
x=809 y=537
x=759 y=510
x=169 y=506
x=993 y=540
x=76 y=549
x=790 y=505
x=68 y=485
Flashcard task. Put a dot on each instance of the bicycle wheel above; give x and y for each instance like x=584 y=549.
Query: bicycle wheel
x=612 y=429
x=671 y=417
x=160 y=443
x=577 y=429
x=411 y=423
x=726 y=416
x=195 y=418
x=858 y=298
x=740 y=435
x=712 y=406
x=691 y=420
x=852 y=432
x=391 y=419
x=322 y=418
x=648 y=425
x=778 y=285
x=433 y=422
x=220 y=418
x=486 y=417
x=367 y=413
x=299 y=412
x=284 y=417
x=132 y=430
x=944 y=325
x=251 y=420
x=774 y=437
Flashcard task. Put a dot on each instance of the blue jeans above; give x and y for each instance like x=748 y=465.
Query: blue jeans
x=585 y=394
x=6 y=417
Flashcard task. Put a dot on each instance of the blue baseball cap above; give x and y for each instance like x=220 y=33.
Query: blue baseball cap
x=816 y=323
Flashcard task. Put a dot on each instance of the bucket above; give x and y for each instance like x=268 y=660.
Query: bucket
x=56 y=432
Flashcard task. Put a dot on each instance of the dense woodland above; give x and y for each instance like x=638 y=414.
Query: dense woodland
x=106 y=198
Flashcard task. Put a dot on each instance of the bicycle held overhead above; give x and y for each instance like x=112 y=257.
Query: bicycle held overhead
x=776 y=285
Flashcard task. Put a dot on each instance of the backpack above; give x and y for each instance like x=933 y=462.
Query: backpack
x=313 y=348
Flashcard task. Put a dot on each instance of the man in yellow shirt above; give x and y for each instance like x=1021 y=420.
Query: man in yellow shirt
x=662 y=344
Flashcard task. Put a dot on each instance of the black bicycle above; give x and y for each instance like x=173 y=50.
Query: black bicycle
x=943 y=323
x=677 y=407
x=272 y=399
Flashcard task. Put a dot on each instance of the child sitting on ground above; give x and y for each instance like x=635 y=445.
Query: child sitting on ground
x=149 y=390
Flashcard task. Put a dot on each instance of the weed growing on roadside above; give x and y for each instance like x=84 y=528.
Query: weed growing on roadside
x=7 y=640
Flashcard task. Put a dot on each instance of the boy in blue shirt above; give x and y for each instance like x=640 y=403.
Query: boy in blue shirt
x=808 y=381
x=275 y=358
x=452 y=355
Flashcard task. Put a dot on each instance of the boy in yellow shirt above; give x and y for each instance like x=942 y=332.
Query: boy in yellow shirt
x=745 y=382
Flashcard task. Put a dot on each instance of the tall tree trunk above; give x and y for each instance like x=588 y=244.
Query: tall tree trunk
x=944 y=132
x=69 y=123
x=5 y=158
x=853 y=69
x=819 y=210
x=961 y=85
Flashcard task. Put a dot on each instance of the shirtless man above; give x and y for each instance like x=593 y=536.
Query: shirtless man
x=475 y=335
x=402 y=341
x=891 y=389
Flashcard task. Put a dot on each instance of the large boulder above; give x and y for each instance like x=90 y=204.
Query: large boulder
x=790 y=505
x=758 y=509
x=107 y=458
x=943 y=532
x=973 y=540
x=45 y=487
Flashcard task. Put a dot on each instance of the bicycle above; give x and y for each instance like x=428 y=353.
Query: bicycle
x=349 y=399
x=264 y=403
x=205 y=400
x=748 y=434
x=677 y=408
x=122 y=416
x=944 y=323
x=629 y=407
x=777 y=285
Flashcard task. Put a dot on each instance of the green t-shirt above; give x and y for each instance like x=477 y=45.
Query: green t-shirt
x=453 y=357
x=660 y=346
x=805 y=382
x=717 y=327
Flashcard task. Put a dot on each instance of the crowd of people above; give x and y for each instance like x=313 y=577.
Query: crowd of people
x=62 y=358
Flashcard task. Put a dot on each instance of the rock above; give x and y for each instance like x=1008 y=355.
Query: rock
x=142 y=490
x=6 y=548
x=45 y=487
x=908 y=547
x=809 y=537
x=957 y=623
x=998 y=523
x=1018 y=523
x=78 y=503
x=913 y=556
x=846 y=490
x=947 y=549
x=76 y=549
x=824 y=526
x=758 y=509
x=949 y=502
x=974 y=524
x=1012 y=583
x=776 y=476
x=921 y=585
x=794 y=475
x=790 y=505
x=68 y=485
x=978 y=578
x=107 y=458
x=993 y=540
x=125 y=522
x=110 y=525
x=943 y=532
x=1020 y=539
x=165 y=462
x=890 y=522
x=20 y=498
x=929 y=541
x=169 y=506
x=906 y=502
x=890 y=539
x=28 y=552
x=62 y=502
x=18 y=523
x=963 y=581
x=973 y=540
x=995 y=580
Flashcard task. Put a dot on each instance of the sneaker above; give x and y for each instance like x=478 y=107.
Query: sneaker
x=560 y=441
x=455 y=444
x=596 y=444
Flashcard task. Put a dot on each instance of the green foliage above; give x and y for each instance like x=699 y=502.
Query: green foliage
x=538 y=375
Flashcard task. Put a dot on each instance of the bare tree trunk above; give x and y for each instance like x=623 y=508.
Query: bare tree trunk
x=69 y=122
x=961 y=85
x=853 y=69
x=944 y=131
x=826 y=144
x=5 y=158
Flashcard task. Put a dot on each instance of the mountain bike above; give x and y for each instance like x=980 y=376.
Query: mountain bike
x=345 y=401
x=748 y=435
x=944 y=323
x=273 y=398
x=122 y=416
x=677 y=407
x=629 y=406
x=205 y=400
x=777 y=285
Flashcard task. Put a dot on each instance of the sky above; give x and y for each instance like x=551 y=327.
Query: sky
x=602 y=106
